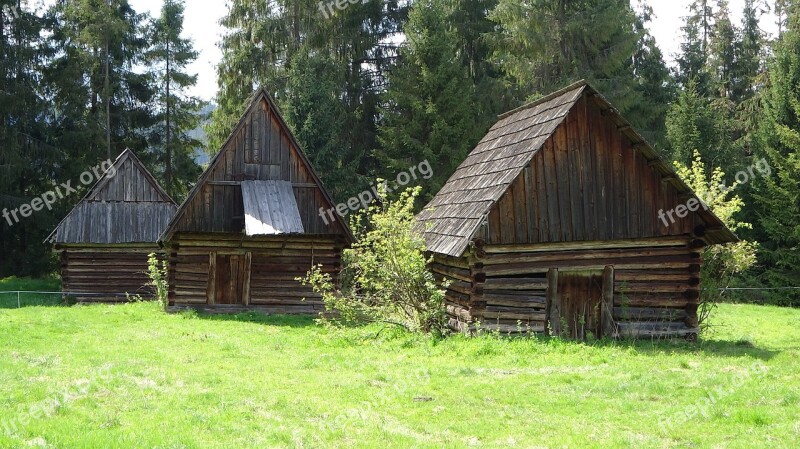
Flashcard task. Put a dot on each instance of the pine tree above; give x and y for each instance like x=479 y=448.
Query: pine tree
x=544 y=45
x=693 y=59
x=471 y=24
x=749 y=50
x=177 y=111
x=696 y=122
x=430 y=113
x=655 y=84
x=722 y=52
x=28 y=161
x=314 y=106
x=778 y=195
x=266 y=40
x=101 y=47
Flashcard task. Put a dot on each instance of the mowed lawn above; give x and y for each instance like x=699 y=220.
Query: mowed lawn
x=132 y=376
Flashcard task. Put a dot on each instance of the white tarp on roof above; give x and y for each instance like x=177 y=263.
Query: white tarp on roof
x=270 y=208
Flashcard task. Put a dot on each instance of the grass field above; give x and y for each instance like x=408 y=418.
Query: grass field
x=132 y=376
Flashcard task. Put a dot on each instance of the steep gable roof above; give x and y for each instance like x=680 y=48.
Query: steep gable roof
x=450 y=221
x=258 y=98
x=126 y=205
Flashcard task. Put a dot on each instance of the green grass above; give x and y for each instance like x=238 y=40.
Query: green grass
x=135 y=377
x=9 y=299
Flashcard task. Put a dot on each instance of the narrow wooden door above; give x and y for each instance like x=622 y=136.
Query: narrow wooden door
x=231 y=283
x=575 y=308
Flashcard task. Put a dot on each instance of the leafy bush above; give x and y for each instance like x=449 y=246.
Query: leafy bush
x=157 y=271
x=721 y=263
x=385 y=272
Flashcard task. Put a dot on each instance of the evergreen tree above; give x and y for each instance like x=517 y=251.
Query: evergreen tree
x=693 y=59
x=748 y=77
x=544 y=45
x=430 y=113
x=722 y=52
x=655 y=84
x=749 y=50
x=471 y=23
x=266 y=39
x=101 y=46
x=28 y=162
x=177 y=112
x=778 y=195
x=696 y=122
x=319 y=118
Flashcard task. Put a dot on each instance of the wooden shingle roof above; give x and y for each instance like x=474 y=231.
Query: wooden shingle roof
x=126 y=205
x=450 y=221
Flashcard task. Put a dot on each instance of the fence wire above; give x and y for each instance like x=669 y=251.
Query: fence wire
x=27 y=298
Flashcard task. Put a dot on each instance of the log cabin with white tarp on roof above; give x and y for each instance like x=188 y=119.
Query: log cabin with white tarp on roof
x=251 y=225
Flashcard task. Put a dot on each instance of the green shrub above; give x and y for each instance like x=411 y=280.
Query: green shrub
x=386 y=277
x=157 y=271
x=721 y=263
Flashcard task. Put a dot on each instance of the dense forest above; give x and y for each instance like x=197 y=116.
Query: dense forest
x=379 y=85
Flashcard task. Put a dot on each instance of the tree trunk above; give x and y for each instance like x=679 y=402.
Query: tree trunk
x=108 y=100
x=168 y=148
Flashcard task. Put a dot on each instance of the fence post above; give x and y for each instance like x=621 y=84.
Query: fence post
x=19 y=305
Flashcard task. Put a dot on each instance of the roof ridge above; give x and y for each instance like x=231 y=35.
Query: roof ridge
x=574 y=86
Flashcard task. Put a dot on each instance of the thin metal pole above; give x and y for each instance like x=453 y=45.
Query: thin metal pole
x=19 y=306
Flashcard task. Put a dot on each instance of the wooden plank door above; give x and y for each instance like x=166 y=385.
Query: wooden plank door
x=576 y=303
x=231 y=280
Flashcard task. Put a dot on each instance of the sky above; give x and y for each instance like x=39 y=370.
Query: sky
x=202 y=26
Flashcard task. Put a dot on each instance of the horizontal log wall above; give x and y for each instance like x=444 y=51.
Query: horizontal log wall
x=460 y=295
x=505 y=287
x=275 y=264
x=112 y=270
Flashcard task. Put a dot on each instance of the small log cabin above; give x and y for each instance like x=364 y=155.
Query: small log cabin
x=104 y=242
x=552 y=224
x=252 y=224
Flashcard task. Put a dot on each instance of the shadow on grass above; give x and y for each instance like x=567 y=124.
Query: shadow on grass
x=722 y=348
x=253 y=317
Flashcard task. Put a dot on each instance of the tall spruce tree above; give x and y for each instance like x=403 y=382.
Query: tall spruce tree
x=262 y=44
x=28 y=161
x=749 y=50
x=320 y=120
x=655 y=84
x=696 y=122
x=177 y=112
x=722 y=52
x=778 y=195
x=693 y=58
x=100 y=48
x=544 y=45
x=430 y=113
x=748 y=76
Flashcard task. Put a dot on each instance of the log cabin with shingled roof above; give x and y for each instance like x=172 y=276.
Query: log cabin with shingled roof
x=104 y=242
x=552 y=224
x=251 y=225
